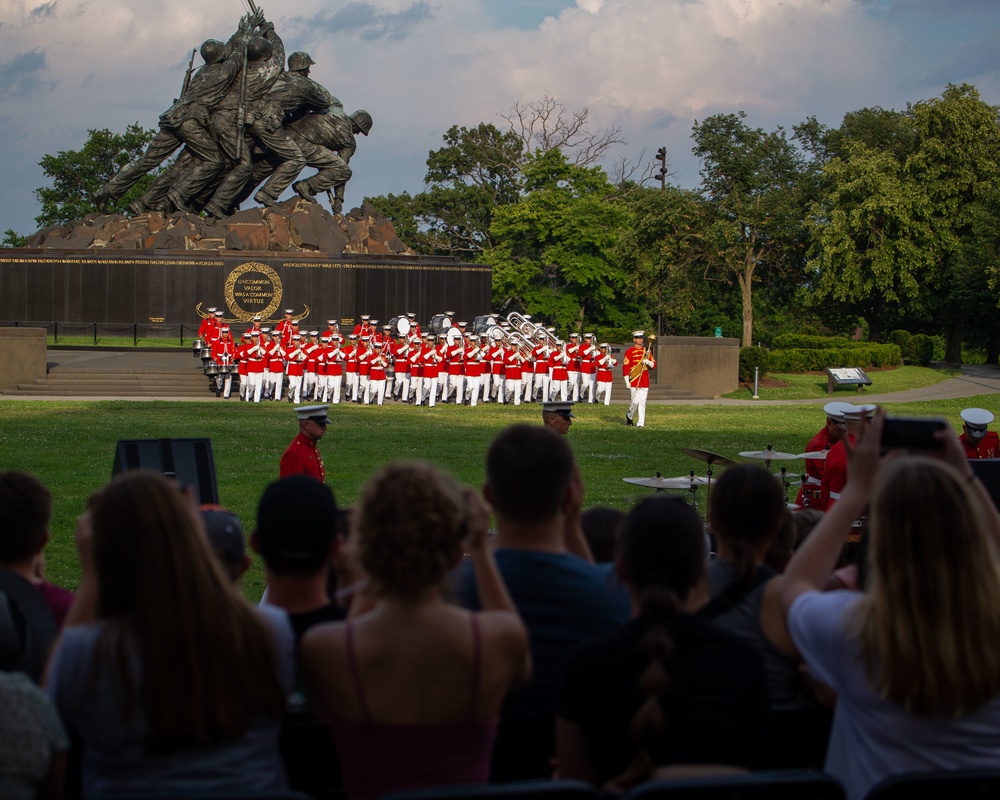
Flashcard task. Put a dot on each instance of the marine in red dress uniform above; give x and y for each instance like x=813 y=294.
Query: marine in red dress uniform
x=811 y=492
x=976 y=440
x=302 y=457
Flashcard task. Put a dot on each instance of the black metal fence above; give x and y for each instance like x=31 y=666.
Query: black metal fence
x=123 y=330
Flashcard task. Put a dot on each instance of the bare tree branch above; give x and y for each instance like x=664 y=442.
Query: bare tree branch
x=545 y=124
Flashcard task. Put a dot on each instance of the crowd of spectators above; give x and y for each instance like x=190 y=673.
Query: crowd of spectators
x=412 y=646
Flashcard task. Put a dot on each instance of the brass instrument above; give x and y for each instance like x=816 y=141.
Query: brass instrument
x=531 y=330
x=638 y=369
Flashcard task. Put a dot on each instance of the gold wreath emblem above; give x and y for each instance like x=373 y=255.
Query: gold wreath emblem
x=236 y=274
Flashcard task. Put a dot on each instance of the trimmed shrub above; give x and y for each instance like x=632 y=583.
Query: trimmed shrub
x=903 y=339
x=922 y=349
x=801 y=341
x=860 y=355
x=751 y=357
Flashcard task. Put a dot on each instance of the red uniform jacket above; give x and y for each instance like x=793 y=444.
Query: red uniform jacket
x=633 y=356
x=302 y=458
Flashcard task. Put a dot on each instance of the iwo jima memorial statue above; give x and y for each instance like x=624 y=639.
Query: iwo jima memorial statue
x=246 y=126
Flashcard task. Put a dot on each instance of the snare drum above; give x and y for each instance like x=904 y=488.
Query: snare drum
x=196 y=347
x=211 y=370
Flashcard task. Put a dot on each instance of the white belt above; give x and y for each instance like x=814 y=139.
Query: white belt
x=834 y=495
x=813 y=481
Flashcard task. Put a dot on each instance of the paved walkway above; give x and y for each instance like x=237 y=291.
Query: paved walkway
x=974 y=380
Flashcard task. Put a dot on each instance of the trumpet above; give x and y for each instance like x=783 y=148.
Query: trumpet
x=640 y=367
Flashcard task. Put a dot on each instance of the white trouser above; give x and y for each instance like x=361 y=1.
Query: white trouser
x=333 y=388
x=308 y=382
x=295 y=388
x=512 y=389
x=320 y=391
x=573 y=387
x=472 y=388
x=456 y=383
x=604 y=387
x=256 y=386
x=352 y=386
x=541 y=386
x=375 y=391
x=526 y=384
x=224 y=383
x=638 y=403
x=557 y=388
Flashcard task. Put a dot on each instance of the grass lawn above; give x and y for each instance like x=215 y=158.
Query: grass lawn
x=807 y=386
x=71 y=445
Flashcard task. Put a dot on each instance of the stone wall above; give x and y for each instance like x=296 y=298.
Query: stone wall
x=702 y=365
x=24 y=356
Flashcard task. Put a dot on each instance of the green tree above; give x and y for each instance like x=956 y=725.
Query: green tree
x=750 y=179
x=957 y=162
x=661 y=250
x=479 y=170
x=476 y=171
x=554 y=247
x=870 y=235
x=77 y=174
x=12 y=238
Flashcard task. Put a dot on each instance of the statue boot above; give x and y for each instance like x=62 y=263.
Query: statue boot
x=301 y=188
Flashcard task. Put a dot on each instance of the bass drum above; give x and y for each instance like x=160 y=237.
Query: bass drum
x=439 y=323
x=399 y=325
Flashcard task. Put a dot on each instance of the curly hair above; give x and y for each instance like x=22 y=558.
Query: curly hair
x=410 y=522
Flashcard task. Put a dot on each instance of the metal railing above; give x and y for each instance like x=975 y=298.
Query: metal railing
x=148 y=330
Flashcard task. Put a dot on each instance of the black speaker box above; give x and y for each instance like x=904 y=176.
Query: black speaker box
x=188 y=461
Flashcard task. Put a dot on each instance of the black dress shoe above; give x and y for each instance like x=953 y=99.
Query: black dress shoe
x=628 y=420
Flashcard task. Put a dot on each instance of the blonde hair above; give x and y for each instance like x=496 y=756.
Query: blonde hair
x=410 y=522
x=929 y=625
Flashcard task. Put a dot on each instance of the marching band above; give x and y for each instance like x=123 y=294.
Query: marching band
x=513 y=362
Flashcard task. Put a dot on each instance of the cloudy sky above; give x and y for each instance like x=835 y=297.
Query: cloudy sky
x=652 y=67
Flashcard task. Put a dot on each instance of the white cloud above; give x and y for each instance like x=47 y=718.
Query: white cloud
x=419 y=66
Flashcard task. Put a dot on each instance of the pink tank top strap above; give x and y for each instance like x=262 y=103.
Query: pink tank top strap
x=355 y=673
x=477 y=667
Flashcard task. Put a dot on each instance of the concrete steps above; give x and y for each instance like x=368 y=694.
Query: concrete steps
x=80 y=382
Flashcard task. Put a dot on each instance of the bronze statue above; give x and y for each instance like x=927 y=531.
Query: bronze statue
x=243 y=119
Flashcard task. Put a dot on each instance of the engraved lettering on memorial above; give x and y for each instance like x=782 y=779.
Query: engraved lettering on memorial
x=251 y=289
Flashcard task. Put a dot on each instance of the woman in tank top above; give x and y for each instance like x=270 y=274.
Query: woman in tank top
x=413 y=687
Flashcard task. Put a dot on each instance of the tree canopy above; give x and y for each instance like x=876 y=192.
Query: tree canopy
x=77 y=174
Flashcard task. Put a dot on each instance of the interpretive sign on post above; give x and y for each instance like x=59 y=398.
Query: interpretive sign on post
x=846 y=376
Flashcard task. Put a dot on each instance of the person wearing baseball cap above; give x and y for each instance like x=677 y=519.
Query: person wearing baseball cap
x=302 y=457
x=976 y=440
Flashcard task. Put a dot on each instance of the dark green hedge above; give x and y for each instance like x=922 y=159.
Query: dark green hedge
x=801 y=341
x=921 y=349
x=859 y=355
x=751 y=357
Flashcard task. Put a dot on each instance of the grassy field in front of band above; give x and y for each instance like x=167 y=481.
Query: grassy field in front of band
x=71 y=445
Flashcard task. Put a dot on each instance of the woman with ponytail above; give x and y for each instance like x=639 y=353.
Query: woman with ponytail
x=668 y=689
x=745 y=516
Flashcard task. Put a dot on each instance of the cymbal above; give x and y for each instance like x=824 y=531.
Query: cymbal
x=787 y=476
x=815 y=455
x=770 y=455
x=668 y=483
x=708 y=458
